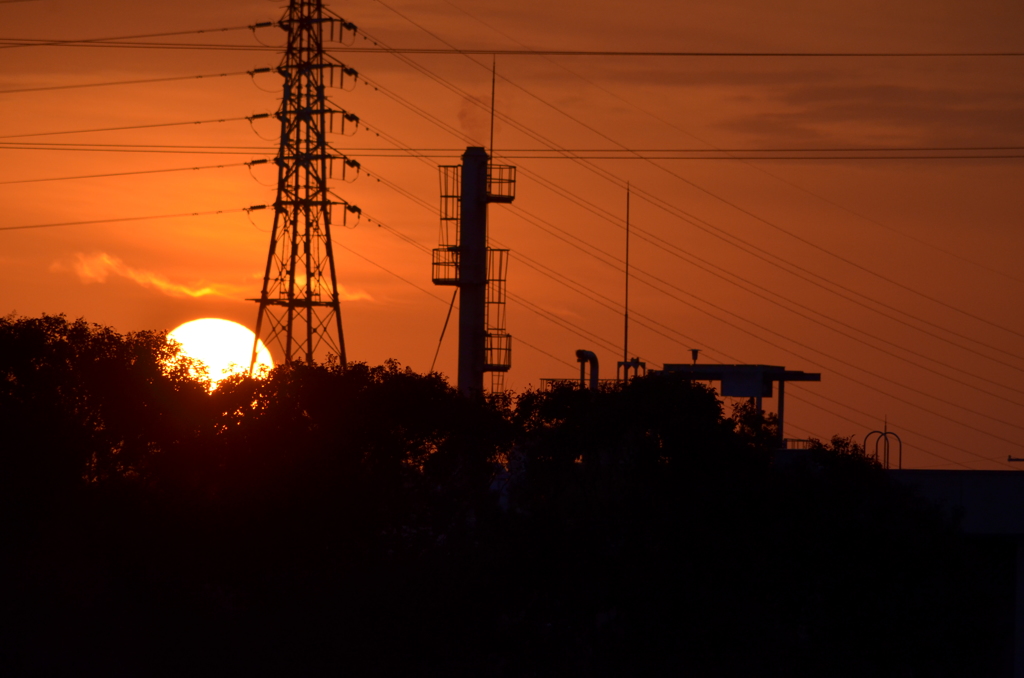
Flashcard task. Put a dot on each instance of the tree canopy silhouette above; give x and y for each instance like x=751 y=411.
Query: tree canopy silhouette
x=373 y=520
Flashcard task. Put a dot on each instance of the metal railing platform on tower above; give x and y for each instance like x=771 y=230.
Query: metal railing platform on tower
x=464 y=260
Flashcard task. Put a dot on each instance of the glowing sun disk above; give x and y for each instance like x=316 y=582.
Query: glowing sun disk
x=223 y=346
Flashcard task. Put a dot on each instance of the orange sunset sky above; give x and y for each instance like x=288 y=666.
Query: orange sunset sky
x=894 y=271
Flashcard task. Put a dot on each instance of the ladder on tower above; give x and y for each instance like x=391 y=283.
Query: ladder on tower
x=485 y=265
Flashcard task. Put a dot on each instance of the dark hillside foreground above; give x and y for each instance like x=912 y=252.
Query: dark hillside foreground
x=372 y=521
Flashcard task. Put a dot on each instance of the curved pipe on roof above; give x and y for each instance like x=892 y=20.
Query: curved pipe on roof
x=585 y=357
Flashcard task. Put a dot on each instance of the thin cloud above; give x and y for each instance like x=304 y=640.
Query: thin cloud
x=345 y=295
x=322 y=290
x=99 y=267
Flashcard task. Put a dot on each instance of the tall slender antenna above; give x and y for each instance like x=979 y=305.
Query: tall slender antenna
x=625 y=338
x=494 y=75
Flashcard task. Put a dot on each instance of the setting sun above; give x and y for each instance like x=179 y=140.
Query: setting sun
x=223 y=346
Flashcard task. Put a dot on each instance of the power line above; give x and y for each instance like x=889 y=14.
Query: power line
x=608 y=345
x=132 y=82
x=22 y=42
x=710 y=193
x=761 y=338
x=137 y=172
x=928 y=452
x=909 y=236
x=751 y=214
x=829 y=356
x=547 y=315
x=428 y=292
x=916 y=433
x=569 y=155
x=59 y=144
x=592 y=337
x=614 y=221
x=720 y=272
x=648 y=53
x=759 y=168
x=829 y=252
x=531 y=263
x=36 y=42
x=796 y=270
x=691 y=219
x=657 y=202
x=125 y=219
x=16 y=42
x=800 y=158
x=615 y=261
x=850 y=149
x=563 y=323
x=119 y=43
x=250 y=118
x=530 y=306
x=172 y=215
x=125 y=148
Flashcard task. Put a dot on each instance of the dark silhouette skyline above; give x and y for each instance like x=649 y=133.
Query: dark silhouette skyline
x=374 y=521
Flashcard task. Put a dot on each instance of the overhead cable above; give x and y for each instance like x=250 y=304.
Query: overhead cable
x=137 y=172
x=49 y=42
x=586 y=334
x=632 y=103
x=250 y=118
x=431 y=294
x=702 y=224
x=718 y=232
x=126 y=219
x=131 y=82
x=663 y=53
x=648 y=197
x=116 y=148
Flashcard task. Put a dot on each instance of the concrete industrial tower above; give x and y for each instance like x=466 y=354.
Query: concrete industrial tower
x=464 y=260
x=298 y=306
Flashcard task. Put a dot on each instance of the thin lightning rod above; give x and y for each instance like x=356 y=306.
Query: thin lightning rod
x=494 y=74
x=625 y=338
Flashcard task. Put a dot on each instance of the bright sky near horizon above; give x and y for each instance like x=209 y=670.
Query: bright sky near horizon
x=881 y=246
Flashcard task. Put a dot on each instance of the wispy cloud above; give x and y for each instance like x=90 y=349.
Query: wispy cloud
x=322 y=290
x=98 y=267
x=357 y=295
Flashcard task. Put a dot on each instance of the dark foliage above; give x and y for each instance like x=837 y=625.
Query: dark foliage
x=372 y=521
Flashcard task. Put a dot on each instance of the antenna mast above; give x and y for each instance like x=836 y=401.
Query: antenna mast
x=494 y=78
x=299 y=311
x=625 y=337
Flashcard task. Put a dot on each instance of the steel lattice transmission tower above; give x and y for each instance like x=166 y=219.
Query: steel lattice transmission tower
x=298 y=307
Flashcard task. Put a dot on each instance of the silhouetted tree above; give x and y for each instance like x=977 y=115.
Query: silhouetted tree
x=374 y=520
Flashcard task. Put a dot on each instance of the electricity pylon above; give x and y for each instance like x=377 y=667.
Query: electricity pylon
x=299 y=311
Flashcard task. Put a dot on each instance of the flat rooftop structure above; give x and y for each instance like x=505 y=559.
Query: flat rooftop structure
x=746 y=381
x=743 y=381
x=738 y=381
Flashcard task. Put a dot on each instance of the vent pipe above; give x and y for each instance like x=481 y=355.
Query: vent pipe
x=585 y=357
